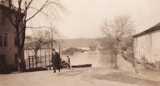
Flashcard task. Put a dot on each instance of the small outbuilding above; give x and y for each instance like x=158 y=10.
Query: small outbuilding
x=147 y=44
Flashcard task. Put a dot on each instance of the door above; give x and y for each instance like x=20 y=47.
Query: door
x=2 y=63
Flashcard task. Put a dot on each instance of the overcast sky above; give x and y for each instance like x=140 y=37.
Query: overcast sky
x=84 y=18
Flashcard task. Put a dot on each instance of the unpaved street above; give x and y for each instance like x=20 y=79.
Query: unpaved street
x=74 y=77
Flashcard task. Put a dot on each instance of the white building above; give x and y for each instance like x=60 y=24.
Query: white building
x=147 y=44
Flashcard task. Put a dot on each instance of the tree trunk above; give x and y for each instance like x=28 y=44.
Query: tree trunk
x=21 y=62
x=20 y=45
x=114 y=61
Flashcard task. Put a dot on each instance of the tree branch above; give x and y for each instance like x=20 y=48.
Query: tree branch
x=28 y=6
x=42 y=7
x=41 y=11
x=39 y=27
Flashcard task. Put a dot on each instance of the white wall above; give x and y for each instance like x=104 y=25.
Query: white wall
x=156 y=46
x=142 y=46
x=148 y=46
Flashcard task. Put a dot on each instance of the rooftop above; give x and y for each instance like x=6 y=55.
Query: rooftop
x=150 y=30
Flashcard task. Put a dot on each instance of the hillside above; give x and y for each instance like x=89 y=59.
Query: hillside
x=78 y=43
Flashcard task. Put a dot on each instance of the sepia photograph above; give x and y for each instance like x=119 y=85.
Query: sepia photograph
x=79 y=43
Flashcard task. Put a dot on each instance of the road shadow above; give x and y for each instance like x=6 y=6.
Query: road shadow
x=73 y=72
x=124 y=78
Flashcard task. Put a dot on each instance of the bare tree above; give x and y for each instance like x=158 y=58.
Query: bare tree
x=41 y=39
x=118 y=39
x=19 y=19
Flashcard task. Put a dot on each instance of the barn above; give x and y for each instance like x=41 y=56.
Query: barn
x=147 y=45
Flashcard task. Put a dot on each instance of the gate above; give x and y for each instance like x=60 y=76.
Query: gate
x=43 y=59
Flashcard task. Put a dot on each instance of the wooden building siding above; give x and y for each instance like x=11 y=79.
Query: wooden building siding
x=9 y=51
x=147 y=45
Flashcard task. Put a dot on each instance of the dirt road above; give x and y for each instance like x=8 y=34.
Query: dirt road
x=74 y=77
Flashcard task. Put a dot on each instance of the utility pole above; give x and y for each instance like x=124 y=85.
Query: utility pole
x=59 y=46
x=52 y=37
x=51 y=41
x=58 y=42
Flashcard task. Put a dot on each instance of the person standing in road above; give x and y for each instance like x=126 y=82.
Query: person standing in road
x=56 y=60
x=69 y=62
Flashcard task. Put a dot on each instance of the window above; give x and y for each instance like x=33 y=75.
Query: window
x=15 y=58
x=2 y=59
x=3 y=40
x=15 y=41
x=1 y=43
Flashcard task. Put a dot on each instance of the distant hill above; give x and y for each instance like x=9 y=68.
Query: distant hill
x=78 y=43
x=81 y=43
x=72 y=51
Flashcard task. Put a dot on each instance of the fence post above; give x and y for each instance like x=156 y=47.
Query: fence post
x=45 y=61
x=50 y=56
x=32 y=62
x=29 y=62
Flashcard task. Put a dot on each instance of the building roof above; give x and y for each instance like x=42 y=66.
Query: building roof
x=150 y=30
x=8 y=9
x=5 y=7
